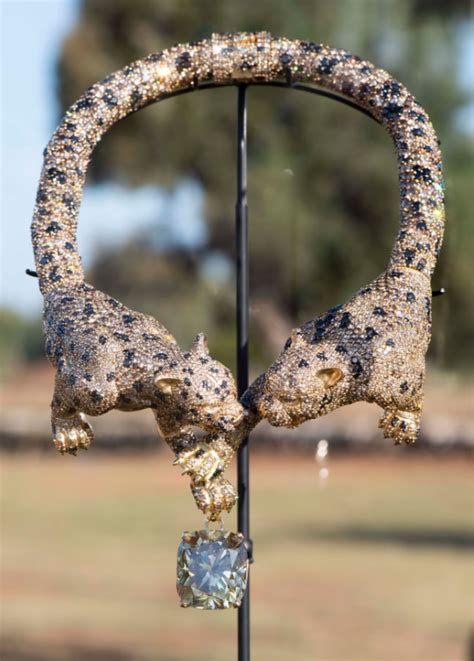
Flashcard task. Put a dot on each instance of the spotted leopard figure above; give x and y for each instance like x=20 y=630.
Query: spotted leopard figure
x=107 y=356
x=372 y=349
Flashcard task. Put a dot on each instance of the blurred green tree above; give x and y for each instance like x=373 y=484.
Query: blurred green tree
x=21 y=340
x=323 y=191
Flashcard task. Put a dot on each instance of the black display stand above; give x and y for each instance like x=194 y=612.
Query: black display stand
x=242 y=320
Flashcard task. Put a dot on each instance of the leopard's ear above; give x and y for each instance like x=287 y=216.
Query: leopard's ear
x=165 y=384
x=295 y=337
x=199 y=345
x=330 y=376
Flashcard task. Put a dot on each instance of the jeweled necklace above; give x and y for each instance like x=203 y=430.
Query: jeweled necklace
x=107 y=356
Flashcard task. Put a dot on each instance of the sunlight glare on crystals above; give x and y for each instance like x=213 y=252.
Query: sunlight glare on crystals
x=163 y=71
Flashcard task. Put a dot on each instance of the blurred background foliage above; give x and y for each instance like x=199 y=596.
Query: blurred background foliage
x=21 y=340
x=323 y=193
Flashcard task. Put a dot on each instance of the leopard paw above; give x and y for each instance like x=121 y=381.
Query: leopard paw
x=201 y=463
x=214 y=497
x=70 y=434
x=402 y=426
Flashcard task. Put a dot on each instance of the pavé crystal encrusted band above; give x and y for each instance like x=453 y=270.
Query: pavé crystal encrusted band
x=371 y=348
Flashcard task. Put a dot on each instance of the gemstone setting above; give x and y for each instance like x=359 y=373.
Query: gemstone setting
x=212 y=569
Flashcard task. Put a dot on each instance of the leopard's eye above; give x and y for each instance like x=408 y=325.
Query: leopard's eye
x=288 y=343
x=330 y=376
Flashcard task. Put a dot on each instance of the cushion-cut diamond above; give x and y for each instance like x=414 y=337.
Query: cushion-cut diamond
x=212 y=569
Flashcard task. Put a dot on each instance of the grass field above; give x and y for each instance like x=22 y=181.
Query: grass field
x=375 y=566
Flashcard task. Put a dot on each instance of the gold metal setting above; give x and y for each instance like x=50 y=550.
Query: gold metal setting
x=107 y=356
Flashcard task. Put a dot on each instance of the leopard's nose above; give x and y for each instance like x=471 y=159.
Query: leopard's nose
x=231 y=421
x=275 y=412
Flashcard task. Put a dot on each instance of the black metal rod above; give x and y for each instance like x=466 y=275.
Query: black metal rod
x=301 y=87
x=289 y=84
x=242 y=284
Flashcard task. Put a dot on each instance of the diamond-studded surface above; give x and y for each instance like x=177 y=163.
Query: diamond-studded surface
x=371 y=348
x=212 y=569
x=241 y=56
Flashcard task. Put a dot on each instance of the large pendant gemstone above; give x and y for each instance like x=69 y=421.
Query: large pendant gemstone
x=212 y=569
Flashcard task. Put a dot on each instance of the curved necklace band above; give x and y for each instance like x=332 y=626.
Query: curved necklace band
x=226 y=58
